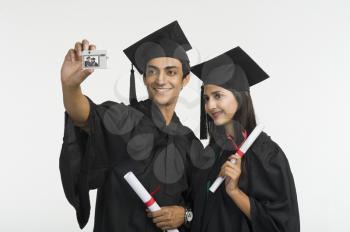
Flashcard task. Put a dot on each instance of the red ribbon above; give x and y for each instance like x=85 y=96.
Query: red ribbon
x=157 y=189
x=150 y=202
x=240 y=153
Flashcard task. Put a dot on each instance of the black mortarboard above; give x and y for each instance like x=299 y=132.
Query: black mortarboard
x=232 y=70
x=169 y=41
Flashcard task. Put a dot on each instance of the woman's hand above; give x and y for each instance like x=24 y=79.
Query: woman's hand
x=232 y=173
x=168 y=217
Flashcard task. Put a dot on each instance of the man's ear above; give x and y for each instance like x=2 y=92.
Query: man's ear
x=186 y=80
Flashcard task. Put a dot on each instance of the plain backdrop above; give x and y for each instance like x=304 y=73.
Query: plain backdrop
x=302 y=44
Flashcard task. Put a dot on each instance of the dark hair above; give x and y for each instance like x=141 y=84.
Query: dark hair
x=185 y=68
x=245 y=114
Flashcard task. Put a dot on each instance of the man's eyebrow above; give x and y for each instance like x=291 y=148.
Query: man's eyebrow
x=167 y=67
x=151 y=66
x=170 y=67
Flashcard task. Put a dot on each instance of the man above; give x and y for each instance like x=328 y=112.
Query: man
x=88 y=62
x=104 y=142
x=93 y=62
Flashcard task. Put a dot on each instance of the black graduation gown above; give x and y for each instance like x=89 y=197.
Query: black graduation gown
x=121 y=139
x=269 y=184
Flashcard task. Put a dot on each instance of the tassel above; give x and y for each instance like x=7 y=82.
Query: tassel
x=203 y=121
x=132 y=91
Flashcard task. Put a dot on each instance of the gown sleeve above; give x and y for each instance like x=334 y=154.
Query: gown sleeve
x=272 y=197
x=84 y=158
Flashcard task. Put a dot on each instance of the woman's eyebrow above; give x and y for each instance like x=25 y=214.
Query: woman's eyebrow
x=215 y=92
x=212 y=93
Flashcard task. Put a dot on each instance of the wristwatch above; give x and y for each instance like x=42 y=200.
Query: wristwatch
x=188 y=216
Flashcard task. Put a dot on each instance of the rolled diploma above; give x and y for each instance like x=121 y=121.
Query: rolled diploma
x=140 y=190
x=242 y=150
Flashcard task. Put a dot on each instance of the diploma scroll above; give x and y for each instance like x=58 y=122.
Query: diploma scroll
x=140 y=190
x=241 y=151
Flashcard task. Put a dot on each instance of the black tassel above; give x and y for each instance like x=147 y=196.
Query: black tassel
x=132 y=92
x=203 y=122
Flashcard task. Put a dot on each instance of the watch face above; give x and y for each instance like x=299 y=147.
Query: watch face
x=189 y=216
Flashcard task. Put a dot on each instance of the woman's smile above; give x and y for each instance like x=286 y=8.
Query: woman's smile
x=215 y=115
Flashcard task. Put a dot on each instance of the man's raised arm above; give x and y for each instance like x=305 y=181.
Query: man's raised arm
x=72 y=75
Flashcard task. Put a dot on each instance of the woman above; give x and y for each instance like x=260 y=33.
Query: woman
x=258 y=193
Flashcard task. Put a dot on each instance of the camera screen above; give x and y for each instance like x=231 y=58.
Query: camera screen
x=91 y=61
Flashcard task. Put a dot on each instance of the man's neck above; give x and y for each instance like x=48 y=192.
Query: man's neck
x=167 y=112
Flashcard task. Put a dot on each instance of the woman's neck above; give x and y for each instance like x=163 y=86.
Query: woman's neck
x=229 y=129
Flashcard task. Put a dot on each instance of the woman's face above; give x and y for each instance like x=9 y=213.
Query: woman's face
x=220 y=104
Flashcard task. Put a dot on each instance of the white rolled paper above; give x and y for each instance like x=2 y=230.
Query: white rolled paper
x=140 y=190
x=244 y=148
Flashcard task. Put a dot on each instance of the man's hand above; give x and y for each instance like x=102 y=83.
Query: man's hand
x=168 y=217
x=72 y=74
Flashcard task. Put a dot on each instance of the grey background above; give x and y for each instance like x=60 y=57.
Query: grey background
x=303 y=45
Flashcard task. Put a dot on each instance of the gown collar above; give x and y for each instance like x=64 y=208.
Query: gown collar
x=150 y=109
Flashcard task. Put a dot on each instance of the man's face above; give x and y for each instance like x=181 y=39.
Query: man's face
x=164 y=80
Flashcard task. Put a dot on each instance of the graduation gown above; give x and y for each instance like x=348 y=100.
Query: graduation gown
x=125 y=138
x=268 y=182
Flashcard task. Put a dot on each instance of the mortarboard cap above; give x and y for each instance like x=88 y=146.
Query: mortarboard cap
x=232 y=70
